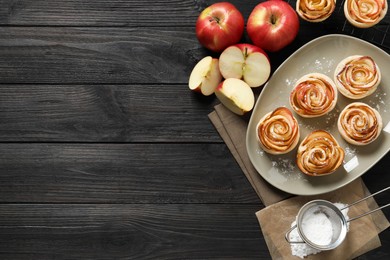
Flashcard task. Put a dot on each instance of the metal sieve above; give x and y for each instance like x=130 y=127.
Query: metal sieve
x=335 y=217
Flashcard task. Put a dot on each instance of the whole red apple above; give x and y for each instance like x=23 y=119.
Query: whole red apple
x=272 y=25
x=219 y=26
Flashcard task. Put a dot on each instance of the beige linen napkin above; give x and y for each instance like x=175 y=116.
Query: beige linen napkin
x=362 y=236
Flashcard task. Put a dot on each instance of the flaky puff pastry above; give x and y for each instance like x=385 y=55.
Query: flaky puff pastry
x=359 y=124
x=313 y=95
x=315 y=10
x=319 y=154
x=278 y=131
x=357 y=76
x=365 y=13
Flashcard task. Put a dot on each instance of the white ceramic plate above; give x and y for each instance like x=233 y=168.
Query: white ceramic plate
x=320 y=55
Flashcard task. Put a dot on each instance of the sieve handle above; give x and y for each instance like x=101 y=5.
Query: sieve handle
x=288 y=239
x=372 y=195
x=367 y=213
x=372 y=211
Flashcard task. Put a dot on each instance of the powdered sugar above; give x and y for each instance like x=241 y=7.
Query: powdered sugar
x=301 y=250
x=318 y=229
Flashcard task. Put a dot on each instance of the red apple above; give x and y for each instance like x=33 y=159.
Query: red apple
x=272 y=25
x=219 y=26
x=247 y=62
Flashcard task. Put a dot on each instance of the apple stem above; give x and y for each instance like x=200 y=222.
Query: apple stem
x=273 y=19
x=216 y=19
x=246 y=53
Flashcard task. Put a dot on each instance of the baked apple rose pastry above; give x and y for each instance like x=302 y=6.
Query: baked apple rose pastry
x=365 y=13
x=314 y=95
x=319 y=154
x=357 y=76
x=359 y=124
x=315 y=10
x=278 y=131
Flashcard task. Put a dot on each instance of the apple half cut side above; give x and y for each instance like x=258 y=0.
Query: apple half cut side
x=247 y=62
x=205 y=76
x=236 y=95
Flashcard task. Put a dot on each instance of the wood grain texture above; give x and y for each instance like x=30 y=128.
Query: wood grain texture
x=64 y=55
x=121 y=173
x=105 y=113
x=161 y=13
x=132 y=173
x=134 y=231
x=151 y=231
x=98 y=55
x=107 y=13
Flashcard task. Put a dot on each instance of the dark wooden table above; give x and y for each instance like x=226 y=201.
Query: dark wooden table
x=106 y=154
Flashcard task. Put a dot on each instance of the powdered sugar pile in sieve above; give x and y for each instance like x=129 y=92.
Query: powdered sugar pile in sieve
x=320 y=229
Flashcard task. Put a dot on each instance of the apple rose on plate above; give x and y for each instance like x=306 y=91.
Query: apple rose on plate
x=359 y=124
x=357 y=76
x=278 y=131
x=365 y=13
x=315 y=10
x=319 y=154
x=314 y=95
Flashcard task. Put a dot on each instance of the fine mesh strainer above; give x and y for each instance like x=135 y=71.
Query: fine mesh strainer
x=335 y=217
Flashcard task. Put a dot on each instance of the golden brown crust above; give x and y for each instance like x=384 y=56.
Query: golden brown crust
x=278 y=131
x=357 y=76
x=365 y=13
x=359 y=124
x=314 y=95
x=319 y=154
x=315 y=10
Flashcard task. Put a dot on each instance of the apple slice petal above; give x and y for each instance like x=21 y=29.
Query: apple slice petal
x=257 y=70
x=205 y=76
x=231 y=62
x=199 y=72
x=212 y=79
x=236 y=95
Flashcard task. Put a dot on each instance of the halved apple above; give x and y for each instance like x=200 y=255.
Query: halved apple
x=205 y=76
x=236 y=95
x=247 y=62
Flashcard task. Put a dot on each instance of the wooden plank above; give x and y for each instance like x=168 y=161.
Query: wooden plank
x=105 y=113
x=133 y=173
x=121 y=173
x=151 y=231
x=34 y=55
x=137 y=231
x=137 y=13
x=97 y=55
x=160 y=13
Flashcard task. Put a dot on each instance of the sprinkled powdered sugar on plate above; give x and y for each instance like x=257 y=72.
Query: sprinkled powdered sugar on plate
x=285 y=167
x=327 y=122
x=378 y=101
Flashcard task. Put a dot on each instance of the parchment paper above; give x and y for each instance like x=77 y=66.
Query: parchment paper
x=362 y=237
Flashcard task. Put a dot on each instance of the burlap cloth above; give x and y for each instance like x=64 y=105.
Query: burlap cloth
x=282 y=208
